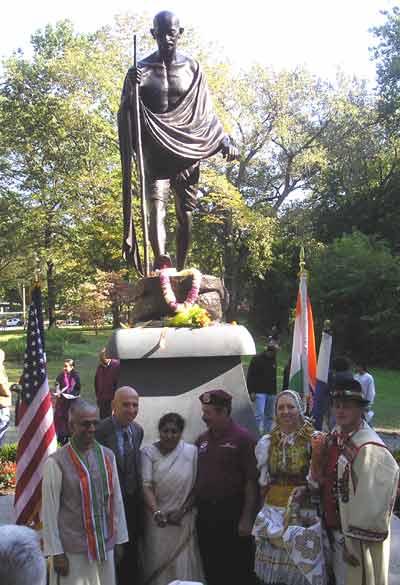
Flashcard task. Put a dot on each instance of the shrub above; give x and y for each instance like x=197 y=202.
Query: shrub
x=8 y=452
x=56 y=340
x=74 y=337
x=14 y=348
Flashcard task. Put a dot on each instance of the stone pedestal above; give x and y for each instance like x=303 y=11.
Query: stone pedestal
x=149 y=302
x=171 y=367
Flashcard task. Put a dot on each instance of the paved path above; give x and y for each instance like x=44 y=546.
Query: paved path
x=394 y=568
x=6 y=510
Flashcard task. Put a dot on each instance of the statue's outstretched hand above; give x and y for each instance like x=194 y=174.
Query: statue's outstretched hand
x=229 y=151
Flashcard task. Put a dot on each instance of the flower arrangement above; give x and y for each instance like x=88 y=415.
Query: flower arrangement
x=168 y=294
x=193 y=316
x=8 y=471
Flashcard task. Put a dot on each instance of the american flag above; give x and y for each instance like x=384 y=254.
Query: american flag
x=36 y=433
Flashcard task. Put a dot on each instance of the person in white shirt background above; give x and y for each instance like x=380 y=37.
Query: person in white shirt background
x=367 y=386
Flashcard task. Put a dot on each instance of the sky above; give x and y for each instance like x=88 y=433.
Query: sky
x=322 y=35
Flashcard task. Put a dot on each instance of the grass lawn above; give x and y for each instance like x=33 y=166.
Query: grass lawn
x=387 y=402
x=84 y=354
x=387 y=383
x=386 y=407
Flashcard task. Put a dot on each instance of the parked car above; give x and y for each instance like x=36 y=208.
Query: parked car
x=13 y=322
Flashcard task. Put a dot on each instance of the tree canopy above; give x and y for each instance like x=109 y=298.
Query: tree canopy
x=318 y=167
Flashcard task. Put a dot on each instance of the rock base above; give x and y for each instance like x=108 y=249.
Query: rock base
x=149 y=302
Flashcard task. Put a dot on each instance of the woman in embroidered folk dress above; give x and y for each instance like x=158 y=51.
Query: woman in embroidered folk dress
x=287 y=533
x=169 y=469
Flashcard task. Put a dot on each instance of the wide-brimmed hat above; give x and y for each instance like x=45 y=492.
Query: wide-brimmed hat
x=349 y=390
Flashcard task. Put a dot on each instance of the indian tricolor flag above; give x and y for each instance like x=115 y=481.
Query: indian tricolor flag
x=303 y=368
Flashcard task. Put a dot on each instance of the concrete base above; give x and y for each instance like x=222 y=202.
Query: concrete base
x=170 y=368
x=174 y=385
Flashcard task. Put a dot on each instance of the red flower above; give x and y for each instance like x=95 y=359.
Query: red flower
x=8 y=471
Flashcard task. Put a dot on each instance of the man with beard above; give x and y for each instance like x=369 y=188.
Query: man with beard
x=226 y=494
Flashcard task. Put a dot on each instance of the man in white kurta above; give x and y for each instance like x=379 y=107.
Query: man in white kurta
x=358 y=491
x=83 y=514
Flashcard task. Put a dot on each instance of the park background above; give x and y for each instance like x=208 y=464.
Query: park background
x=319 y=168
x=84 y=346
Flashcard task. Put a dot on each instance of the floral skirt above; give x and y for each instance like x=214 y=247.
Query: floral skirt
x=292 y=555
x=273 y=565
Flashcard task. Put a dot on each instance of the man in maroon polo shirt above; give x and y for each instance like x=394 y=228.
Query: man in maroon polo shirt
x=226 y=494
x=105 y=383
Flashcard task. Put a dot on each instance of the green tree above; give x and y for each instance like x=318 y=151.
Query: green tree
x=274 y=296
x=387 y=56
x=356 y=190
x=278 y=120
x=355 y=282
x=58 y=136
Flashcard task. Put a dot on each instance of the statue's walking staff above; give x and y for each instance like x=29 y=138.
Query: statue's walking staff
x=140 y=167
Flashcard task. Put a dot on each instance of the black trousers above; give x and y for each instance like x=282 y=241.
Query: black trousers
x=228 y=559
x=130 y=569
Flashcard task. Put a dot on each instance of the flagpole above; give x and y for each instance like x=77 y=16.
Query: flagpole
x=36 y=431
x=37 y=269
x=320 y=408
x=303 y=363
x=303 y=275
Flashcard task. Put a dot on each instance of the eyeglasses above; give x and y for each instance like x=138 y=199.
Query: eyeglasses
x=88 y=423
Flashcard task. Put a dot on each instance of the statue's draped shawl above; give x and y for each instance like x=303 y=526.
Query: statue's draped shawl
x=185 y=135
x=191 y=130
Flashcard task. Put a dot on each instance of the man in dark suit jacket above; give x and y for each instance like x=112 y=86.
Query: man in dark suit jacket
x=124 y=437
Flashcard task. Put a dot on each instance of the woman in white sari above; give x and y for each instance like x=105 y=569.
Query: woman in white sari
x=169 y=470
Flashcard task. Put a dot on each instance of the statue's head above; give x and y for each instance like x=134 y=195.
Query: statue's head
x=166 y=31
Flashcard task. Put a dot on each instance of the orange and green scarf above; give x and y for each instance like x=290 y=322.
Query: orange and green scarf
x=98 y=516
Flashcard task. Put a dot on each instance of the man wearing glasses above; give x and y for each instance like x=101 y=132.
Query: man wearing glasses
x=83 y=513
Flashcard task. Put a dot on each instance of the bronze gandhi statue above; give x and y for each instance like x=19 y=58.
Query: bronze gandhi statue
x=179 y=128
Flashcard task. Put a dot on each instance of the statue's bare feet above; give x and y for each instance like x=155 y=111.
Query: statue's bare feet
x=162 y=261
